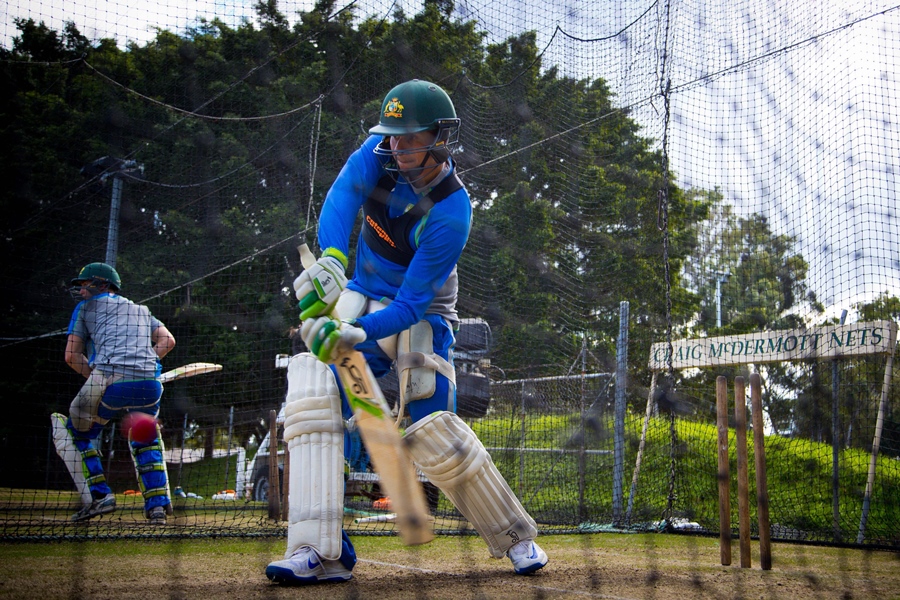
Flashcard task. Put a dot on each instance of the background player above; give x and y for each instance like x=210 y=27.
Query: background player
x=116 y=346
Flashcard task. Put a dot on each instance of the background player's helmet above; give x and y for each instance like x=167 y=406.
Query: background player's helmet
x=98 y=273
x=416 y=106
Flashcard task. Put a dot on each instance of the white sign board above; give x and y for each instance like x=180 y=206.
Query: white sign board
x=875 y=337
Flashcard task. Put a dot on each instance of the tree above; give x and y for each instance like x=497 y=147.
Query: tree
x=766 y=286
x=761 y=286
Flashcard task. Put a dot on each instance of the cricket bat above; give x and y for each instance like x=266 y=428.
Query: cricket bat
x=197 y=368
x=396 y=472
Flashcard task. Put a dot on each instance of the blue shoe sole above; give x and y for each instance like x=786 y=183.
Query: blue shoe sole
x=531 y=569
x=288 y=577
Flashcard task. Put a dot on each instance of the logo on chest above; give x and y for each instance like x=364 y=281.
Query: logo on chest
x=379 y=231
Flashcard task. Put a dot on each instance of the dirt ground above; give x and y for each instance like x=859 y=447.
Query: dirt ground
x=625 y=567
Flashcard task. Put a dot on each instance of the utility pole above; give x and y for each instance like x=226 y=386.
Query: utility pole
x=119 y=169
x=720 y=279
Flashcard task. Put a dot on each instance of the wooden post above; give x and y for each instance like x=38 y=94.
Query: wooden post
x=724 y=476
x=740 y=434
x=640 y=450
x=274 y=494
x=876 y=443
x=762 y=487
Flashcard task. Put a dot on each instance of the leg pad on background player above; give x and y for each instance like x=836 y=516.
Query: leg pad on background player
x=82 y=459
x=71 y=457
x=314 y=436
x=152 y=476
x=162 y=449
x=451 y=456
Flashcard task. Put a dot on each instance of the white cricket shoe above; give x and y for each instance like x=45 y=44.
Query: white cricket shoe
x=304 y=567
x=98 y=507
x=527 y=557
x=157 y=515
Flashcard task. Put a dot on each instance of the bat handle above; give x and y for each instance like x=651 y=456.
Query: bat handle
x=306 y=256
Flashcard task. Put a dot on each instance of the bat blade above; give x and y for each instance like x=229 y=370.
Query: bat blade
x=197 y=368
x=397 y=475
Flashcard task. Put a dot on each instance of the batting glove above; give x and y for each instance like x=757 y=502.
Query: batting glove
x=319 y=287
x=327 y=338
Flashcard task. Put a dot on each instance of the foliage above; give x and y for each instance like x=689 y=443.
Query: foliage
x=798 y=476
x=221 y=121
x=750 y=279
x=240 y=130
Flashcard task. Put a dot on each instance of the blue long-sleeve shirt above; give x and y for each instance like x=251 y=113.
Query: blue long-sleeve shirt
x=428 y=284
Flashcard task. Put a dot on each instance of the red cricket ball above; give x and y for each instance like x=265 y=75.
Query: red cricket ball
x=141 y=426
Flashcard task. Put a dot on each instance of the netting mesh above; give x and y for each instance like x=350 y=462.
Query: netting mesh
x=725 y=168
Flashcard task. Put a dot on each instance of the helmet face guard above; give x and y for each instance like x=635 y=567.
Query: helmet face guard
x=446 y=134
x=95 y=285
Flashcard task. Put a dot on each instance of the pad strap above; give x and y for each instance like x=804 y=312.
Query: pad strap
x=415 y=360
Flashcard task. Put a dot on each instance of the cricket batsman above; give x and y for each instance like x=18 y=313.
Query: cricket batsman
x=399 y=307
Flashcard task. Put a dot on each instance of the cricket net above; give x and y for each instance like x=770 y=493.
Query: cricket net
x=640 y=172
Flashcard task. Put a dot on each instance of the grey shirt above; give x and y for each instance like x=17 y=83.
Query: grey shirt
x=117 y=335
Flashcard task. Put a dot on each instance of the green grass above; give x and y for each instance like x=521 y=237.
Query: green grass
x=206 y=476
x=564 y=490
x=798 y=477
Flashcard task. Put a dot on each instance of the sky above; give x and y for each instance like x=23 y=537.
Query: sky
x=123 y=20
x=809 y=138
x=813 y=149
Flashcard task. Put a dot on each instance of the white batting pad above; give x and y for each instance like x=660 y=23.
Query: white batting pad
x=449 y=453
x=65 y=447
x=314 y=435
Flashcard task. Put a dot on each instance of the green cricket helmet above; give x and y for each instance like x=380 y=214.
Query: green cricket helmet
x=98 y=273
x=416 y=106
